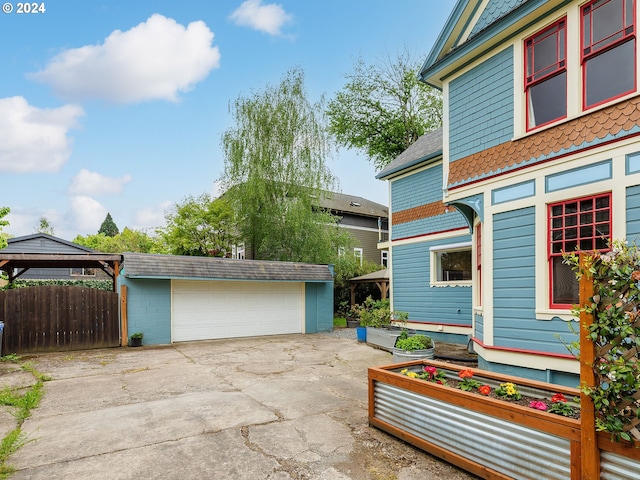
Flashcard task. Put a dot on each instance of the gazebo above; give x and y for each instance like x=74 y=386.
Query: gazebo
x=380 y=278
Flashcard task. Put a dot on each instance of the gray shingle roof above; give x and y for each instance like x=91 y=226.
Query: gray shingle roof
x=357 y=205
x=427 y=147
x=145 y=265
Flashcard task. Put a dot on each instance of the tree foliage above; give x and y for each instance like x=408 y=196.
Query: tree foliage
x=109 y=227
x=275 y=172
x=200 y=226
x=44 y=226
x=345 y=268
x=128 y=241
x=383 y=109
x=4 y=211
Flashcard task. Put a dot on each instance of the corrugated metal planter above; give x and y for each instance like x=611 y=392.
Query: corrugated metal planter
x=400 y=355
x=489 y=437
x=384 y=338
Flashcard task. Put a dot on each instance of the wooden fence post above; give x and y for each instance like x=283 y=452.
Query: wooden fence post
x=589 y=452
x=124 y=340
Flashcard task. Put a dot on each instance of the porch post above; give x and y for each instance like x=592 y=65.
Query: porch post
x=590 y=454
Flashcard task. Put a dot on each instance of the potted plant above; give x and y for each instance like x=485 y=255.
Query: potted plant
x=352 y=316
x=377 y=316
x=414 y=347
x=136 y=339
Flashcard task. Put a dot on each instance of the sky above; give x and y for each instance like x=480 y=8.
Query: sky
x=115 y=106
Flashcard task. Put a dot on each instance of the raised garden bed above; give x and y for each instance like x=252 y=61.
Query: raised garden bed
x=490 y=437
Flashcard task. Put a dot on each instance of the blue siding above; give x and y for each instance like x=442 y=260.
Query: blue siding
x=438 y=223
x=318 y=307
x=549 y=376
x=633 y=214
x=493 y=11
x=149 y=309
x=481 y=106
x=417 y=189
x=479 y=328
x=412 y=292
x=514 y=321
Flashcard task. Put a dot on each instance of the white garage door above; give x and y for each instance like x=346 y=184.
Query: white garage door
x=203 y=310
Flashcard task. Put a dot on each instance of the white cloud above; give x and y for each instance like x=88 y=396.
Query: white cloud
x=87 y=214
x=265 y=18
x=34 y=139
x=151 y=218
x=93 y=183
x=154 y=60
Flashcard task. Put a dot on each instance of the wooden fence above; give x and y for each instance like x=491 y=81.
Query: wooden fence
x=58 y=318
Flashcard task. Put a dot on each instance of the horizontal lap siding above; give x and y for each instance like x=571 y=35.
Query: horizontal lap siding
x=439 y=223
x=514 y=318
x=412 y=292
x=633 y=214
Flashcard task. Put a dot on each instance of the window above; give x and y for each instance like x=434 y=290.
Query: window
x=358 y=253
x=237 y=252
x=83 y=272
x=575 y=225
x=451 y=263
x=608 y=50
x=546 y=75
x=384 y=258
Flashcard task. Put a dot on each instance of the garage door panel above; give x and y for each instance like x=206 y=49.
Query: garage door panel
x=213 y=309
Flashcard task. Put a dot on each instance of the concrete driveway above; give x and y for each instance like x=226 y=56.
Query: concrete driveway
x=283 y=407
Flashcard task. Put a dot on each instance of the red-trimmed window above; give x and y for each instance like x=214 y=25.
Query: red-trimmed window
x=608 y=50
x=479 y=261
x=545 y=78
x=581 y=224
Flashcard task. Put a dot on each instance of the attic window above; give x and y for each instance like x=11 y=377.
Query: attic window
x=354 y=204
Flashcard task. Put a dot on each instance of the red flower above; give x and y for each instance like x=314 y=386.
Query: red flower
x=468 y=373
x=558 y=397
x=484 y=389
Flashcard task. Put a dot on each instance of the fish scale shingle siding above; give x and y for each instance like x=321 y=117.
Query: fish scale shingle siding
x=481 y=106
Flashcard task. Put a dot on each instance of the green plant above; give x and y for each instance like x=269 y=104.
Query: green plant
x=509 y=391
x=375 y=313
x=137 y=336
x=413 y=342
x=467 y=383
x=615 y=331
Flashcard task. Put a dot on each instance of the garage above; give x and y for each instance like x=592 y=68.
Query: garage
x=204 y=310
x=176 y=298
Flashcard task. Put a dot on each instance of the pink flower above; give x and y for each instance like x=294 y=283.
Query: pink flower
x=538 y=405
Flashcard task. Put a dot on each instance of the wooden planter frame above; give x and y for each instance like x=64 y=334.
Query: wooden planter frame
x=439 y=419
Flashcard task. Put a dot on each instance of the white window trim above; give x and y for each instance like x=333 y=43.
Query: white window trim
x=434 y=251
x=359 y=253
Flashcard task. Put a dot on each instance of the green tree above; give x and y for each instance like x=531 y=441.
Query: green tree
x=383 y=109
x=128 y=241
x=345 y=268
x=199 y=226
x=275 y=172
x=4 y=211
x=44 y=226
x=108 y=227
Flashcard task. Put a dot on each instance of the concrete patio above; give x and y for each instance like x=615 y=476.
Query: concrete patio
x=281 y=407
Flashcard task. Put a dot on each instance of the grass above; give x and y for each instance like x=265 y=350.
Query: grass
x=339 y=322
x=22 y=401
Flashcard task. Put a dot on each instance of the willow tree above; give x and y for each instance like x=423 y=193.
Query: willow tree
x=3 y=223
x=275 y=173
x=384 y=108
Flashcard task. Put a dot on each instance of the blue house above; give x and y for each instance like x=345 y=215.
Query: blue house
x=539 y=154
